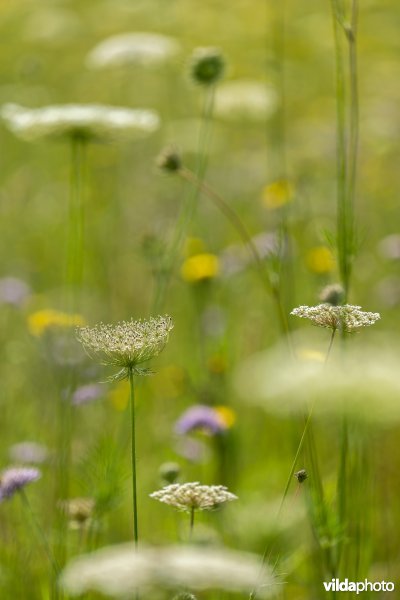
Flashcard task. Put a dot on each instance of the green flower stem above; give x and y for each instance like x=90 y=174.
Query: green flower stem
x=307 y=426
x=133 y=454
x=191 y=523
x=189 y=204
x=39 y=533
x=241 y=228
x=76 y=219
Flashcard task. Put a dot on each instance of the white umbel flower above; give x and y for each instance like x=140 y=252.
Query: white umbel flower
x=135 y=48
x=94 y=122
x=121 y=571
x=347 y=317
x=127 y=344
x=245 y=99
x=193 y=496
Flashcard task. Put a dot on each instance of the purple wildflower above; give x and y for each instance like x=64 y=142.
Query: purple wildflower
x=13 y=291
x=87 y=393
x=14 y=479
x=200 y=417
x=28 y=452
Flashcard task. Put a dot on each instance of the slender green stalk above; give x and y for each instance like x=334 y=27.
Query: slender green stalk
x=189 y=204
x=307 y=424
x=133 y=455
x=39 y=533
x=76 y=219
x=191 y=523
x=241 y=228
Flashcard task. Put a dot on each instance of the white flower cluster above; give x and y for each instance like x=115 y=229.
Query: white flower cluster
x=136 y=48
x=94 y=122
x=121 y=571
x=126 y=344
x=245 y=99
x=193 y=495
x=347 y=317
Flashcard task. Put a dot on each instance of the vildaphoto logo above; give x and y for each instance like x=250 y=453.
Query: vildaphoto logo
x=335 y=585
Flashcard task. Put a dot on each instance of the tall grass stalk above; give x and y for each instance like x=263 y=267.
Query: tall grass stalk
x=75 y=257
x=236 y=221
x=347 y=106
x=189 y=203
x=307 y=427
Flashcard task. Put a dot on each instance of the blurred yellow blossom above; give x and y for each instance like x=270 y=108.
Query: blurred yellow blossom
x=169 y=381
x=119 y=395
x=320 y=260
x=200 y=267
x=277 y=194
x=309 y=355
x=41 y=320
x=226 y=415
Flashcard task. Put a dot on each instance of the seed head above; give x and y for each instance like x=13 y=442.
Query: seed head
x=169 y=160
x=332 y=294
x=193 y=496
x=301 y=475
x=347 y=317
x=169 y=472
x=206 y=66
x=127 y=344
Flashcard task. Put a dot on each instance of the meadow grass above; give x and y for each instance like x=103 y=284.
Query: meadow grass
x=282 y=196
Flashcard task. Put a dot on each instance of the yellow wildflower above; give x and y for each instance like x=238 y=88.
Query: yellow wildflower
x=277 y=194
x=226 y=415
x=320 y=260
x=119 y=395
x=42 y=320
x=200 y=267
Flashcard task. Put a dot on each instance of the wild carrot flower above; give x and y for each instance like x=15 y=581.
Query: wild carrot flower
x=245 y=99
x=127 y=344
x=193 y=496
x=14 y=479
x=92 y=122
x=121 y=571
x=134 y=48
x=346 y=317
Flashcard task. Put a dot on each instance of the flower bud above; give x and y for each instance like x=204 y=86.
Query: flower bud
x=206 y=66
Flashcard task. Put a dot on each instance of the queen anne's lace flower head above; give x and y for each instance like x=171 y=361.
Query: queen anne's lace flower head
x=93 y=122
x=127 y=344
x=135 y=48
x=13 y=479
x=347 y=317
x=193 y=496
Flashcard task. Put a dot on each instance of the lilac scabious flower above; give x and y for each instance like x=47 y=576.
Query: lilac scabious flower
x=14 y=479
x=13 y=291
x=200 y=417
x=87 y=393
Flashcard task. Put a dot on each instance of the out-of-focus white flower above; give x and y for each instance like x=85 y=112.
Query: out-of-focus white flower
x=136 y=48
x=28 y=453
x=121 y=571
x=94 y=122
x=363 y=384
x=245 y=99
